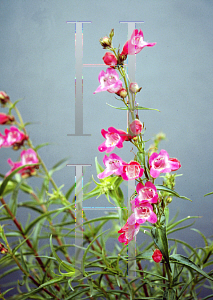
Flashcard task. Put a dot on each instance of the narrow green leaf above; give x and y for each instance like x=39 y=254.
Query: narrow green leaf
x=168 y=190
x=8 y=178
x=208 y=297
x=203 y=236
x=91 y=287
x=48 y=283
x=134 y=108
x=13 y=105
x=179 y=228
x=95 y=192
x=44 y=215
x=9 y=272
x=85 y=253
x=41 y=145
x=4 y=293
x=184 y=288
x=65 y=265
x=174 y=218
x=178 y=258
x=24 y=265
x=180 y=221
x=188 y=246
x=69 y=192
x=208 y=194
x=160 y=238
x=99 y=168
x=20 y=244
x=58 y=166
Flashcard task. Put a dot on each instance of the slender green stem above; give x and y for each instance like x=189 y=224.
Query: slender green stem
x=169 y=275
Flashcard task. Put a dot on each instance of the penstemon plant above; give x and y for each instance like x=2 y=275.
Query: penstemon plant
x=48 y=270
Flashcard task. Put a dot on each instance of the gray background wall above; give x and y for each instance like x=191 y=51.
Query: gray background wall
x=37 y=63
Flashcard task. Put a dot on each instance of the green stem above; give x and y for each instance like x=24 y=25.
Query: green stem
x=169 y=275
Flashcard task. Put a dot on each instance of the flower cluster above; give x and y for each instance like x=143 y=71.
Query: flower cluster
x=145 y=206
x=109 y=80
x=15 y=138
x=147 y=196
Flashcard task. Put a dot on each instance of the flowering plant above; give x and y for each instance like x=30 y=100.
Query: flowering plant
x=50 y=271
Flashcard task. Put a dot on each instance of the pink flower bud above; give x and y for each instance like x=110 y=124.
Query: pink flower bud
x=157 y=256
x=136 y=126
x=122 y=93
x=134 y=88
x=4 y=98
x=6 y=119
x=110 y=59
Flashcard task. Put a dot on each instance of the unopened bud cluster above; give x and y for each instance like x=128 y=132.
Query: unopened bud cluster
x=106 y=42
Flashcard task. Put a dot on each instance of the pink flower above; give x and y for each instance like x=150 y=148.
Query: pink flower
x=131 y=170
x=109 y=81
x=147 y=193
x=112 y=163
x=142 y=212
x=14 y=137
x=161 y=163
x=5 y=119
x=128 y=232
x=113 y=138
x=110 y=59
x=27 y=157
x=135 y=44
x=136 y=126
x=157 y=256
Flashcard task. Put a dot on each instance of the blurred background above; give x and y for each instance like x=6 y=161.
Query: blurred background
x=37 y=64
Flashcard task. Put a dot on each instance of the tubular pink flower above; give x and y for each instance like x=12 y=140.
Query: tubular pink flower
x=135 y=44
x=109 y=81
x=112 y=163
x=142 y=212
x=146 y=193
x=131 y=170
x=128 y=232
x=161 y=163
x=14 y=137
x=27 y=157
x=113 y=138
